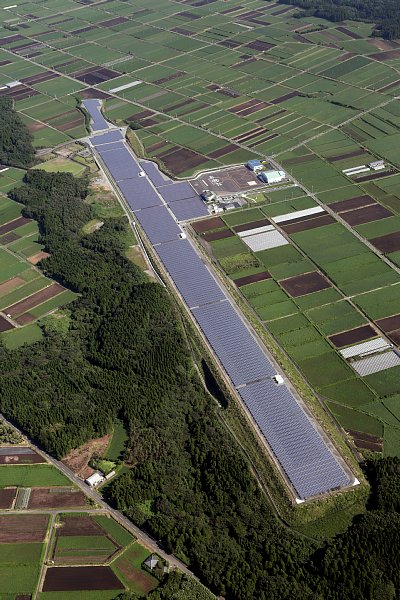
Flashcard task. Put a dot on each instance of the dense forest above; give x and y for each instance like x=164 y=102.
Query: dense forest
x=125 y=355
x=16 y=148
x=384 y=13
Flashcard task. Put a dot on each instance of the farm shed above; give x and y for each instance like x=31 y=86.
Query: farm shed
x=272 y=176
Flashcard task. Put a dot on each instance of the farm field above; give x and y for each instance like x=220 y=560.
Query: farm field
x=204 y=92
x=25 y=293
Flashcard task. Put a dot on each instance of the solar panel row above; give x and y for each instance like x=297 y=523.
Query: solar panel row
x=158 y=224
x=178 y=191
x=190 y=208
x=157 y=178
x=300 y=449
x=93 y=105
x=236 y=348
x=298 y=446
x=105 y=138
x=192 y=278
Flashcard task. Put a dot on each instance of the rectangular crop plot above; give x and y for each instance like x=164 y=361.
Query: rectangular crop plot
x=158 y=224
x=22 y=528
x=300 y=449
x=56 y=498
x=211 y=236
x=238 y=351
x=5 y=325
x=389 y=323
x=7 y=496
x=359 y=334
x=313 y=223
x=265 y=241
x=244 y=227
x=59 y=579
x=19 y=455
x=261 y=276
x=190 y=275
x=208 y=224
x=375 y=212
x=352 y=203
x=305 y=284
x=34 y=300
x=387 y=243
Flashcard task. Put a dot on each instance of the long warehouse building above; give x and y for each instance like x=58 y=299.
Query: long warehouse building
x=309 y=462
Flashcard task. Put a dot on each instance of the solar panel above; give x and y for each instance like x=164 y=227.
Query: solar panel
x=299 y=447
x=139 y=194
x=119 y=162
x=237 y=349
x=187 y=209
x=158 y=224
x=178 y=191
x=192 y=278
x=105 y=138
x=93 y=105
x=103 y=148
x=158 y=178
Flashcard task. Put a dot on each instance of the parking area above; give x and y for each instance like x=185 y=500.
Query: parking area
x=232 y=180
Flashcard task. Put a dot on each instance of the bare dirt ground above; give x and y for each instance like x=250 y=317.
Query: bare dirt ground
x=77 y=460
x=38 y=257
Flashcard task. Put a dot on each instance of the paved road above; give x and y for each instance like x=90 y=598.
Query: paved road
x=143 y=537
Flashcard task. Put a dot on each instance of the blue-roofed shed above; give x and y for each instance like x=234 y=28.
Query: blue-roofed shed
x=254 y=164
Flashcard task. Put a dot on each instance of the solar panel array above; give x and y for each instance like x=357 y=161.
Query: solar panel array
x=156 y=177
x=158 y=224
x=192 y=278
x=139 y=194
x=236 y=348
x=298 y=446
x=190 y=208
x=93 y=106
x=301 y=451
x=105 y=138
x=178 y=191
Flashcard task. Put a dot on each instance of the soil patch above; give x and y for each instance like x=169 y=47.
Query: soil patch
x=217 y=235
x=20 y=456
x=352 y=203
x=34 y=299
x=359 y=334
x=309 y=224
x=25 y=319
x=22 y=528
x=366 y=440
x=11 y=225
x=252 y=278
x=60 y=579
x=56 y=498
x=79 y=525
x=5 y=325
x=251 y=225
x=305 y=284
x=135 y=576
x=7 y=496
x=207 y=224
x=35 y=258
x=375 y=212
x=387 y=243
x=77 y=460
x=389 y=323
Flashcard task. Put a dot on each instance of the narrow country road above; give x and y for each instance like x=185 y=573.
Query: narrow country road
x=141 y=536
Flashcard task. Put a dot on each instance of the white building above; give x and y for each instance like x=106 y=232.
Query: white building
x=272 y=176
x=95 y=479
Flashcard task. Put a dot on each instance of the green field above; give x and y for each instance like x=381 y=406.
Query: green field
x=31 y=476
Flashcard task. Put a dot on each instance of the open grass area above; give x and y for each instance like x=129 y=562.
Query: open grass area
x=62 y=165
x=117 y=532
x=118 y=441
x=25 y=335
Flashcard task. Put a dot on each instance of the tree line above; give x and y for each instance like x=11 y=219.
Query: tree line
x=384 y=13
x=16 y=149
